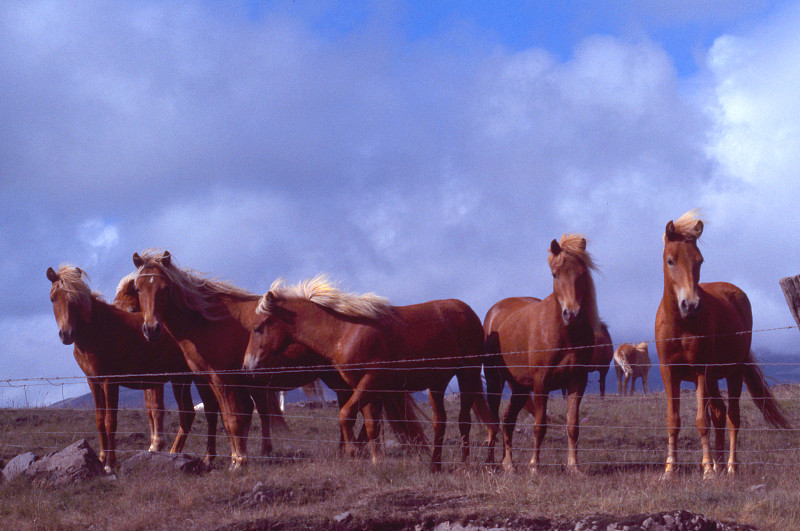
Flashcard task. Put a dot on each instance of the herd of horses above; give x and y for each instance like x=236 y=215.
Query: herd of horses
x=169 y=323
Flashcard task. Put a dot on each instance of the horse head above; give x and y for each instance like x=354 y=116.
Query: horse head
x=126 y=297
x=152 y=285
x=572 y=281
x=270 y=337
x=682 y=261
x=70 y=296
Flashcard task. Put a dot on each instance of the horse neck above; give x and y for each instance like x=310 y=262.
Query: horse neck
x=243 y=311
x=578 y=334
x=317 y=328
x=104 y=323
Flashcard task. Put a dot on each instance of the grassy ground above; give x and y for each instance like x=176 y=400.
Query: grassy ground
x=305 y=484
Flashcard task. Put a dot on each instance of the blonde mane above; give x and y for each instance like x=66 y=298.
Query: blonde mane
x=321 y=291
x=122 y=286
x=194 y=291
x=573 y=247
x=687 y=227
x=72 y=281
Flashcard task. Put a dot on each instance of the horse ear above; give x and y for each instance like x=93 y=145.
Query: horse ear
x=669 y=232
x=166 y=258
x=698 y=229
x=52 y=276
x=582 y=244
x=137 y=260
x=555 y=248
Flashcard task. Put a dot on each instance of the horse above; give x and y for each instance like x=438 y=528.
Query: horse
x=127 y=299
x=543 y=345
x=703 y=334
x=602 y=355
x=110 y=350
x=211 y=321
x=380 y=350
x=631 y=362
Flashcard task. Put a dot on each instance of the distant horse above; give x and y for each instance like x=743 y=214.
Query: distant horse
x=543 y=345
x=211 y=321
x=109 y=346
x=703 y=334
x=379 y=350
x=631 y=362
x=127 y=299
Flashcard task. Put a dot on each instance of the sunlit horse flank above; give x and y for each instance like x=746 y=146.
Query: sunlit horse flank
x=380 y=351
x=127 y=299
x=110 y=350
x=210 y=320
x=544 y=345
x=631 y=362
x=703 y=333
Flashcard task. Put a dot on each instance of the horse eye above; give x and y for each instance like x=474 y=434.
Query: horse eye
x=670 y=262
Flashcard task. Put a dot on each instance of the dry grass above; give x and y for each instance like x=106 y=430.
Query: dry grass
x=305 y=485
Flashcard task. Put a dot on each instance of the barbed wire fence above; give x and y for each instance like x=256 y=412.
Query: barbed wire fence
x=599 y=418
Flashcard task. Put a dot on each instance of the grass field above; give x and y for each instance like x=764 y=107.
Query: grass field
x=306 y=485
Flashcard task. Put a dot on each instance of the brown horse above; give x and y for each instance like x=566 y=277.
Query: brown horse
x=379 y=350
x=127 y=299
x=211 y=321
x=544 y=345
x=631 y=362
x=602 y=355
x=703 y=334
x=111 y=352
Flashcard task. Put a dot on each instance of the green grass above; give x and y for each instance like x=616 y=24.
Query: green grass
x=306 y=484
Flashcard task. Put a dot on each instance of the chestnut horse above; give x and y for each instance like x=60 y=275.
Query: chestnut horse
x=127 y=299
x=380 y=350
x=703 y=333
x=110 y=350
x=544 y=345
x=631 y=362
x=211 y=321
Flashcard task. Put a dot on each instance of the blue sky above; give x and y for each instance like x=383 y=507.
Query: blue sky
x=418 y=150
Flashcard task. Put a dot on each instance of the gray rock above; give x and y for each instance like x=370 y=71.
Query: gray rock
x=18 y=465
x=342 y=517
x=162 y=462
x=77 y=462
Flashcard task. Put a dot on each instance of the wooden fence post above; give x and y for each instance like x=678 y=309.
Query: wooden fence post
x=791 y=290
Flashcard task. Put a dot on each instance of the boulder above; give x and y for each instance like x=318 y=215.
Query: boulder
x=162 y=462
x=18 y=465
x=77 y=462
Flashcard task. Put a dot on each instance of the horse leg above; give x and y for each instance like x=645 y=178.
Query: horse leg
x=494 y=390
x=439 y=423
x=211 y=409
x=349 y=411
x=264 y=405
x=620 y=376
x=701 y=421
x=717 y=410
x=539 y=425
x=628 y=385
x=237 y=410
x=111 y=392
x=672 y=387
x=183 y=396
x=515 y=405
x=603 y=374
x=372 y=427
x=154 y=404
x=645 y=388
x=734 y=392
x=100 y=417
x=577 y=388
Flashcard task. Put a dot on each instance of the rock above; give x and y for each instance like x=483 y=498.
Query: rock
x=342 y=517
x=18 y=465
x=162 y=462
x=77 y=462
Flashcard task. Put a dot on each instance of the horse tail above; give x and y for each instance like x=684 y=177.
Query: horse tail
x=762 y=394
x=622 y=360
x=403 y=414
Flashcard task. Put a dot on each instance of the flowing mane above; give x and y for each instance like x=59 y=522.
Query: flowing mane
x=71 y=281
x=687 y=226
x=573 y=246
x=124 y=282
x=321 y=291
x=194 y=291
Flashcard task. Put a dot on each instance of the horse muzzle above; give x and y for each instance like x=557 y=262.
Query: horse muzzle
x=569 y=316
x=152 y=332
x=690 y=308
x=67 y=336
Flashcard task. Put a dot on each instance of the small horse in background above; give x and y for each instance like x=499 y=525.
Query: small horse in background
x=380 y=350
x=631 y=362
x=211 y=321
x=703 y=334
x=543 y=345
x=110 y=350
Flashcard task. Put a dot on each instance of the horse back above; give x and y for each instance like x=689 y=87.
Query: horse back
x=439 y=328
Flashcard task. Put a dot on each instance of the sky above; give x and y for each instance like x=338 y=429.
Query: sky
x=419 y=150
